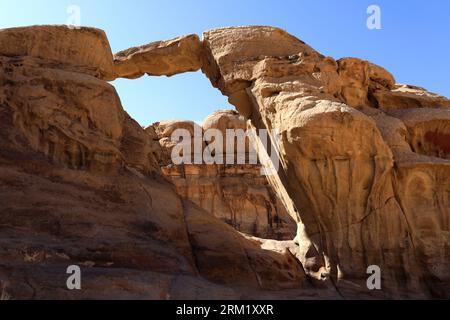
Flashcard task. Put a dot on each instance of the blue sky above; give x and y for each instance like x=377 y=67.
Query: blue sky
x=413 y=42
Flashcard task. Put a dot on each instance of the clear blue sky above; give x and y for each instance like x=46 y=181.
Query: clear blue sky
x=413 y=42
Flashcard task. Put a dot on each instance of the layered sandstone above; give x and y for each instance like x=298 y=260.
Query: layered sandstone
x=364 y=173
x=83 y=49
x=159 y=58
x=81 y=185
x=366 y=169
x=238 y=194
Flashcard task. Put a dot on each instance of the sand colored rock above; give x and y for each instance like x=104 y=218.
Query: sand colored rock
x=229 y=122
x=409 y=97
x=340 y=172
x=238 y=194
x=230 y=258
x=162 y=132
x=77 y=127
x=80 y=184
x=84 y=50
x=364 y=174
x=166 y=58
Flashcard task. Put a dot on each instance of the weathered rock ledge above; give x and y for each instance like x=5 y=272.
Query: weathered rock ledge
x=238 y=194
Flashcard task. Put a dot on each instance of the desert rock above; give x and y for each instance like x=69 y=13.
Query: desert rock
x=84 y=50
x=238 y=194
x=81 y=184
x=167 y=58
x=341 y=174
x=364 y=174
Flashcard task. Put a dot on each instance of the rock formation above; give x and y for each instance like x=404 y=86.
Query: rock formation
x=86 y=50
x=237 y=194
x=365 y=187
x=81 y=185
x=167 y=58
x=364 y=173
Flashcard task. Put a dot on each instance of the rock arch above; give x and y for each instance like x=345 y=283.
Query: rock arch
x=342 y=167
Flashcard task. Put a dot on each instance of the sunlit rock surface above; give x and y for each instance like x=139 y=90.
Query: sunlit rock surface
x=364 y=174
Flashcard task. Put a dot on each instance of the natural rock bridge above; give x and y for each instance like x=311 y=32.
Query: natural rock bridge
x=365 y=164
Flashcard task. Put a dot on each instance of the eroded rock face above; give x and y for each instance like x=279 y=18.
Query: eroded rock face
x=238 y=194
x=77 y=187
x=369 y=191
x=230 y=258
x=83 y=49
x=80 y=184
x=364 y=174
x=167 y=58
x=409 y=97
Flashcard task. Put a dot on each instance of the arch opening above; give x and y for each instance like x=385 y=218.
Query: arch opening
x=185 y=96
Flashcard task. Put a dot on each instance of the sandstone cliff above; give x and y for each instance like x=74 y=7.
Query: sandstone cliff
x=365 y=173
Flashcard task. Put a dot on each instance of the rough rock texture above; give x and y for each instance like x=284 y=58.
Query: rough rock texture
x=162 y=133
x=364 y=173
x=159 y=58
x=84 y=50
x=80 y=183
x=369 y=188
x=237 y=194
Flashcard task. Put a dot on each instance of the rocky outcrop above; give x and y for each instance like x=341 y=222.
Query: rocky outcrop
x=238 y=194
x=80 y=184
x=84 y=50
x=226 y=257
x=162 y=132
x=408 y=97
x=344 y=176
x=364 y=174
